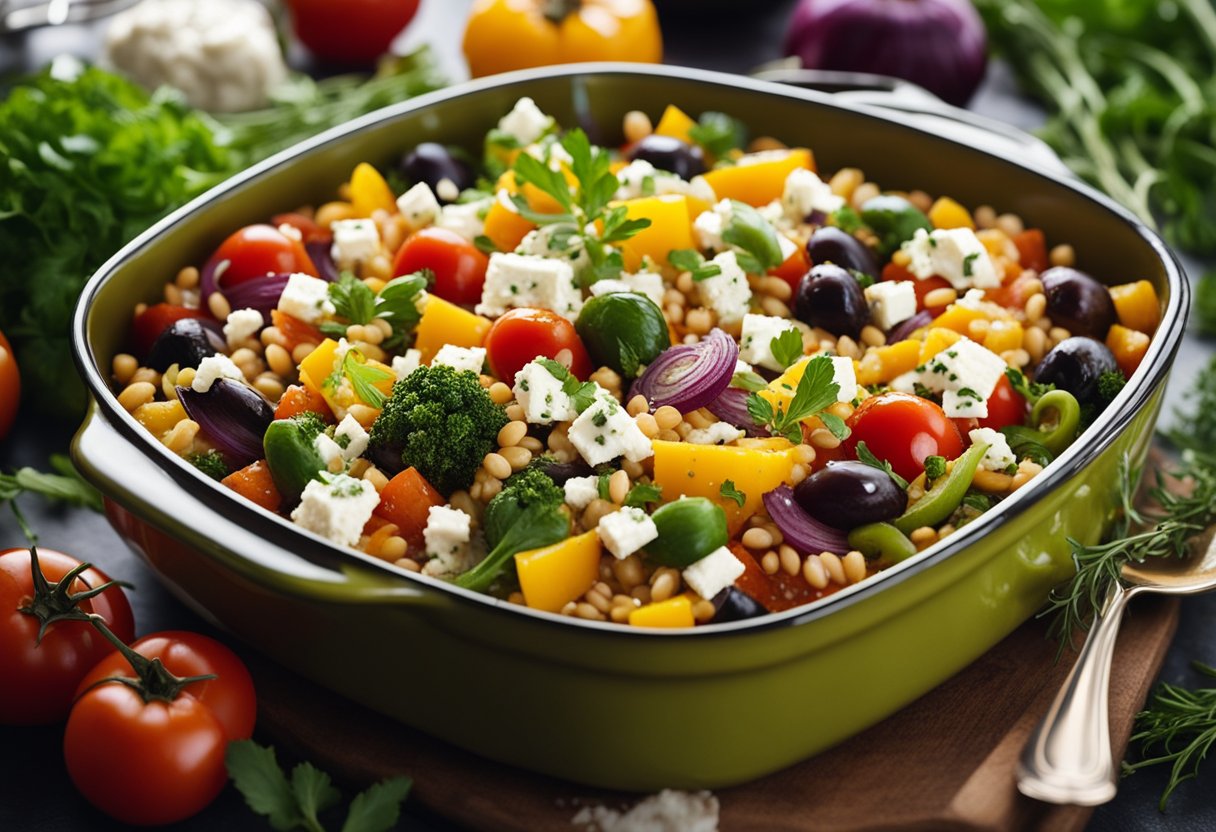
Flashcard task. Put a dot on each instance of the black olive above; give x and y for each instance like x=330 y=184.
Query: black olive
x=670 y=154
x=184 y=343
x=831 y=298
x=733 y=604
x=1077 y=302
x=831 y=245
x=431 y=163
x=845 y=495
x=559 y=472
x=1075 y=365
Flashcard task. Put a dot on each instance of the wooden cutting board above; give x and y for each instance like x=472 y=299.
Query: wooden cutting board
x=946 y=762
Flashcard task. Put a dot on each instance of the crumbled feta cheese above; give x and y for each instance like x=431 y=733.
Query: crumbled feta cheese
x=756 y=340
x=447 y=535
x=580 y=491
x=999 y=455
x=525 y=122
x=403 y=365
x=467 y=218
x=966 y=374
x=640 y=178
x=625 y=531
x=905 y=382
x=336 y=508
x=559 y=241
x=806 y=193
x=713 y=573
x=211 y=369
x=974 y=299
x=540 y=394
x=845 y=375
x=419 y=206
x=719 y=433
x=355 y=241
x=633 y=179
x=953 y=253
x=605 y=431
x=351 y=437
x=329 y=451
x=515 y=280
x=891 y=302
x=642 y=283
x=461 y=358
x=306 y=297
x=242 y=324
x=709 y=225
x=727 y=293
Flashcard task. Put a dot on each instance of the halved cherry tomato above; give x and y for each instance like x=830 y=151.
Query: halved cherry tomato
x=522 y=334
x=794 y=268
x=10 y=386
x=1006 y=406
x=406 y=501
x=458 y=265
x=40 y=677
x=256 y=251
x=149 y=324
x=903 y=429
x=307 y=226
x=1032 y=249
x=892 y=271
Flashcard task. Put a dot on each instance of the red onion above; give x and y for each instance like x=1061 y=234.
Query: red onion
x=319 y=251
x=233 y=416
x=261 y=293
x=731 y=407
x=803 y=532
x=209 y=278
x=690 y=376
x=905 y=328
x=939 y=44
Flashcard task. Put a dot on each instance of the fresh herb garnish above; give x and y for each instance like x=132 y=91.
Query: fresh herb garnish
x=753 y=238
x=729 y=491
x=968 y=262
x=846 y=219
x=863 y=279
x=484 y=244
x=581 y=393
x=787 y=348
x=748 y=381
x=364 y=377
x=642 y=494
x=817 y=390
x=935 y=466
x=718 y=133
x=66 y=485
x=1030 y=391
x=865 y=455
x=396 y=303
x=352 y=299
x=602 y=484
x=693 y=262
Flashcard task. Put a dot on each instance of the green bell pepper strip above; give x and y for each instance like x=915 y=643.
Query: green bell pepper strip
x=946 y=494
x=689 y=529
x=292 y=457
x=882 y=540
x=1068 y=418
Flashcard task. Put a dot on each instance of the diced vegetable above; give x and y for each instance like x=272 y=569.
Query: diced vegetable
x=700 y=471
x=291 y=453
x=670 y=229
x=1137 y=306
x=689 y=529
x=405 y=502
x=759 y=183
x=254 y=483
x=506 y=228
x=369 y=192
x=299 y=399
x=674 y=612
x=675 y=123
x=884 y=363
x=946 y=213
x=446 y=323
x=945 y=495
x=1128 y=345
x=160 y=417
x=555 y=575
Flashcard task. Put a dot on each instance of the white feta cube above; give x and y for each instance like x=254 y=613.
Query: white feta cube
x=966 y=371
x=580 y=491
x=559 y=241
x=714 y=572
x=805 y=193
x=999 y=455
x=709 y=225
x=467 y=218
x=726 y=293
x=955 y=254
x=306 y=297
x=242 y=324
x=719 y=433
x=845 y=375
x=211 y=369
x=643 y=283
x=461 y=358
x=526 y=123
x=419 y=206
x=515 y=280
x=336 y=508
x=540 y=394
x=756 y=340
x=329 y=451
x=403 y=365
x=960 y=404
x=905 y=382
x=633 y=179
x=605 y=431
x=625 y=531
x=891 y=302
x=447 y=535
x=351 y=437
x=355 y=241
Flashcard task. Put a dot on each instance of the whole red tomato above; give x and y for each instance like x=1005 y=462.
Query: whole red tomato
x=903 y=429
x=353 y=31
x=39 y=678
x=458 y=265
x=10 y=386
x=520 y=335
x=256 y=251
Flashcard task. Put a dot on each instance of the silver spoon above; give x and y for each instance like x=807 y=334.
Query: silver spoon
x=1068 y=758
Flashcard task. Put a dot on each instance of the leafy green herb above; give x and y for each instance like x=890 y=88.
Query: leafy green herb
x=352 y=299
x=581 y=393
x=748 y=381
x=816 y=391
x=977 y=500
x=66 y=485
x=602 y=486
x=729 y=491
x=968 y=263
x=787 y=347
x=484 y=244
x=865 y=455
x=1195 y=426
x=693 y=262
x=753 y=238
x=718 y=133
x=642 y=494
x=846 y=219
x=935 y=466
x=364 y=377
x=397 y=303
x=298 y=803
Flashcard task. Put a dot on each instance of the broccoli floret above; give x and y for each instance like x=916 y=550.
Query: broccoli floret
x=310 y=423
x=526 y=514
x=1109 y=385
x=440 y=421
x=210 y=463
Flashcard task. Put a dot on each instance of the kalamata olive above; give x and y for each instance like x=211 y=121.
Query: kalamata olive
x=431 y=163
x=1077 y=302
x=184 y=343
x=733 y=604
x=559 y=472
x=831 y=245
x=670 y=154
x=830 y=297
x=848 y=494
x=1075 y=364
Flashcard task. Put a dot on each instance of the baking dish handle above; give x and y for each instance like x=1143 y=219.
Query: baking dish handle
x=152 y=496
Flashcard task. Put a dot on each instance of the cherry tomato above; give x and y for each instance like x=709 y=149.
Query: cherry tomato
x=352 y=32
x=40 y=678
x=10 y=386
x=149 y=324
x=524 y=333
x=793 y=269
x=459 y=267
x=903 y=429
x=1006 y=406
x=307 y=226
x=256 y=251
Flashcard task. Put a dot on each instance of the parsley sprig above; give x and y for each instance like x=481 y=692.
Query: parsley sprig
x=817 y=390
x=355 y=303
x=692 y=261
x=866 y=456
x=787 y=347
x=730 y=492
x=581 y=393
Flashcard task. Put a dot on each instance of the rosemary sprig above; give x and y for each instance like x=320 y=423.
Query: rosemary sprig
x=1178 y=727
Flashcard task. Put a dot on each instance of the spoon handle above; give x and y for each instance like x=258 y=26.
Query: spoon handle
x=1068 y=759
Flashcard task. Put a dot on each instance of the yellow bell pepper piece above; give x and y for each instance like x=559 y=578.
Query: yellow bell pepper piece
x=446 y=323
x=537 y=199
x=946 y=213
x=760 y=183
x=1004 y=335
x=675 y=123
x=159 y=417
x=1128 y=345
x=1137 y=306
x=553 y=576
x=936 y=340
x=959 y=318
x=674 y=612
x=881 y=364
x=318 y=364
x=670 y=228
x=369 y=192
x=505 y=228
x=780 y=391
x=682 y=468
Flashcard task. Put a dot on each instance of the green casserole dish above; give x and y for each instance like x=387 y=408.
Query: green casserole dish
x=595 y=703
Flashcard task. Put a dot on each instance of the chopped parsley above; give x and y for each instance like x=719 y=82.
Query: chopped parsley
x=787 y=347
x=817 y=390
x=729 y=491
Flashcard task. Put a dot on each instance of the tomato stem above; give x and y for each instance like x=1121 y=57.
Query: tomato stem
x=152 y=680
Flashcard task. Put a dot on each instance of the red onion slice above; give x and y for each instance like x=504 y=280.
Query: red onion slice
x=803 y=532
x=731 y=407
x=233 y=416
x=690 y=376
x=320 y=253
x=261 y=293
x=905 y=328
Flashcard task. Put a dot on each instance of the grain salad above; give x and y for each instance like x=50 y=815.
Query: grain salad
x=683 y=381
